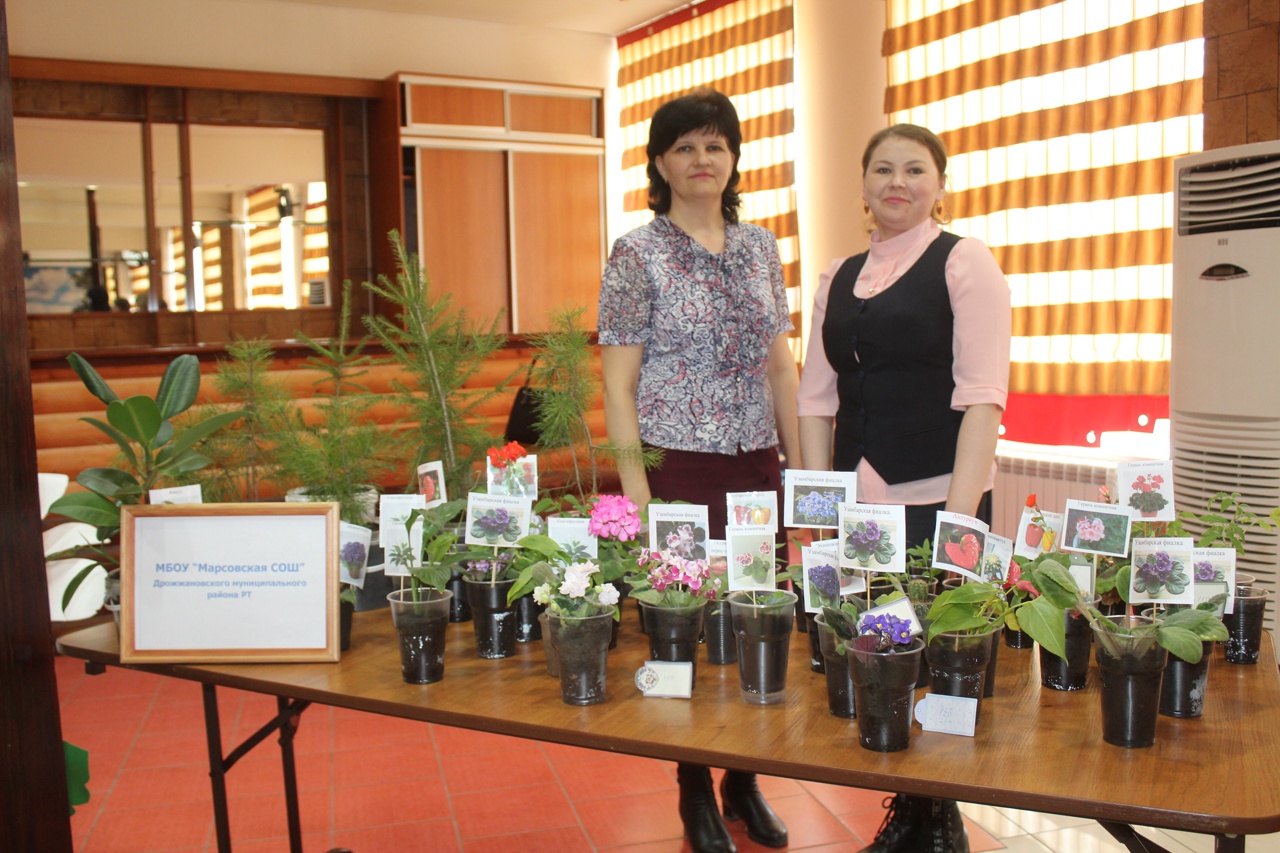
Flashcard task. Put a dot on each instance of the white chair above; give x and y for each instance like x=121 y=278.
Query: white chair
x=52 y=487
x=73 y=534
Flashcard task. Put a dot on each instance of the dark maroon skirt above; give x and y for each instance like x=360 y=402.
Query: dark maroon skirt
x=705 y=478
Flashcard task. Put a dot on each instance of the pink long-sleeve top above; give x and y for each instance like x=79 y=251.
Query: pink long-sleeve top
x=980 y=348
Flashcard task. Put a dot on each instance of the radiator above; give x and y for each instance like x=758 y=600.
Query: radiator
x=1051 y=475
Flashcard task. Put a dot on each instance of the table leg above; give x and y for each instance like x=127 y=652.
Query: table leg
x=1134 y=842
x=1228 y=843
x=217 y=769
x=289 y=717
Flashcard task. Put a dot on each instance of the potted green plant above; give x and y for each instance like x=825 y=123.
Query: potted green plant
x=581 y=609
x=835 y=626
x=341 y=455
x=420 y=612
x=439 y=350
x=1131 y=651
x=152 y=452
x=672 y=592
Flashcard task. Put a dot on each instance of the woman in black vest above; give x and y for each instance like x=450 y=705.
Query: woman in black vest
x=905 y=380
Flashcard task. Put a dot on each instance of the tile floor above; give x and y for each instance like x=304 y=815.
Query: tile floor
x=380 y=785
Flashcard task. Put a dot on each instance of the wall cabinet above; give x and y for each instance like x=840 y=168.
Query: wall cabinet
x=503 y=194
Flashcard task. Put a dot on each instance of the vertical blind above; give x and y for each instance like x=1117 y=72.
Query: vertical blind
x=1062 y=120
x=743 y=48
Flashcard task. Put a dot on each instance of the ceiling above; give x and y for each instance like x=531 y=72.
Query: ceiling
x=609 y=17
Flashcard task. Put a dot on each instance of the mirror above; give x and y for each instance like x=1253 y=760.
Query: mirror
x=260 y=235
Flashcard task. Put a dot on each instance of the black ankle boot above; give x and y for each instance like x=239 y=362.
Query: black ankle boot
x=897 y=833
x=944 y=832
x=741 y=799
x=702 y=824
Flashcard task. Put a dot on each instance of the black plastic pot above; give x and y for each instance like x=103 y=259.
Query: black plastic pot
x=989 y=683
x=674 y=632
x=528 y=628
x=958 y=664
x=582 y=646
x=1017 y=639
x=763 y=631
x=816 y=661
x=840 y=699
x=1131 y=669
x=459 y=608
x=1244 y=624
x=346 y=610
x=1183 y=686
x=717 y=634
x=421 y=626
x=884 y=693
x=492 y=618
x=1072 y=673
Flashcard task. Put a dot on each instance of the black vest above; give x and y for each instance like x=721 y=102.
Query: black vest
x=892 y=357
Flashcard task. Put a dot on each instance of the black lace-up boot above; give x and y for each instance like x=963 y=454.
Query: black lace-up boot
x=741 y=798
x=897 y=833
x=944 y=831
x=702 y=824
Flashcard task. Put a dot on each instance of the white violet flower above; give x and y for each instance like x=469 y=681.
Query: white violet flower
x=608 y=594
x=542 y=594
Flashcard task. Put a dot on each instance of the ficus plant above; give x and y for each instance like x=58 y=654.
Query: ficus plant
x=151 y=450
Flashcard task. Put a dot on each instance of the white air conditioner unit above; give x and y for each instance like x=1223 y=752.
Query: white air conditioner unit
x=1225 y=360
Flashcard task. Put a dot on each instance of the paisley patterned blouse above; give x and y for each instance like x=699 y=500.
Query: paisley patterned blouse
x=706 y=322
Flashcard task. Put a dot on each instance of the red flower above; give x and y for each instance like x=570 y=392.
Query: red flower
x=1031 y=500
x=513 y=451
x=496 y=459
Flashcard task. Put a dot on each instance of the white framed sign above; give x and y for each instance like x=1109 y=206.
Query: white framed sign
x=229 y=583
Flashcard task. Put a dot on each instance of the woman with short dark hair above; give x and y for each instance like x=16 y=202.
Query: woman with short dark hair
x=693 y=334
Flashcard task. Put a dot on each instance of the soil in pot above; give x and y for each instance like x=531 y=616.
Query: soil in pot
x=346 y=611
x=582 y=646
x=840 y=700
x=717 y=634
x=958 y=664
x=1131 y=670
x=764 y=639
x=884 y=693
x=421 y=627
x=1183 y=686
x=492 y=618
x=674 y=632
x=528 y=628
x=816 y=661
x=1244 y=624
x=1072 y=673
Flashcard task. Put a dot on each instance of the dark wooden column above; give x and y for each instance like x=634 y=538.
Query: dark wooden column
x=33 y=807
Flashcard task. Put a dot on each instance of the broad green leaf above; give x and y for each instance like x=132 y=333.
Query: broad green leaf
x=185 y=463
x=1122 y=582
x=137 y=417
x=74 y=584
x=77 y=763
x=1181 y=642
x=121 y=440
x=542 y=545
x=109 y=482
x=89 y=508
x=163 y=436
x=1046 y=624
x=197 y=432
x=1054 y=582
x=1202 y=623
x=97 y=386
x=178 y=386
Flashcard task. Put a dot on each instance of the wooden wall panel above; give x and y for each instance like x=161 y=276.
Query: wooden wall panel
x=552 y=114
x=557 y=235
x=456 y=105
x=463 y=235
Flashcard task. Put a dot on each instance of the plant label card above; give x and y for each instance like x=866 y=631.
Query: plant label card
x=497 y=520
x=997 y=556
x=572 y=535
x=353 y=555
x=753 y=508
x=679 y=528
x=1161 y=570
x=1038 y=532
x=177 y=495
x=952 y=715
x=873 y=536
x=751 y=549
x=1215 y=573
x=1147 y=489
x=821 y=577
x=518 y=478
x=1096 y=528
x=665 y=679
x=959 y=541
x=431 y=483
x=718 y=563
x=812 y=498
x=1084 y=573
x=899 y=607
x=402 y=549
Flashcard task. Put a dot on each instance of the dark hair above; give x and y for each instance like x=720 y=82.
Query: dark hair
x=927 y=138
x=701 y=109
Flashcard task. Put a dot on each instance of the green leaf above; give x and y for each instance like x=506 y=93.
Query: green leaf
x=77 y=762
x=1202 y=623
x=121 y=440
x=109 y=482
x=178 y=386
x=1122 y=582
x=97 y=386
x=195 y=433
x=89 y=508
x=185 y=463
x=137 y=417
x=74 y=584
x=1054 y=582
x=1181 y=642
x=1046 y=624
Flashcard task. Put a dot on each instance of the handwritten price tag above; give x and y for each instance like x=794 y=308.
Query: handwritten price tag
x=952 y=715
